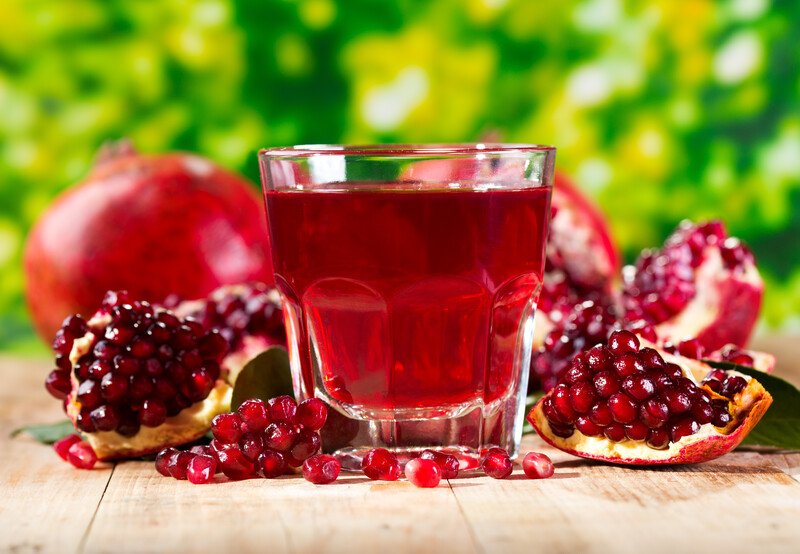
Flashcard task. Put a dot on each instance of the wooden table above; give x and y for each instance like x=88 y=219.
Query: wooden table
x=747 y=501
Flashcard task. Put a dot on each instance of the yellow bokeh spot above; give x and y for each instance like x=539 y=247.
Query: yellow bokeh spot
x=317 y=14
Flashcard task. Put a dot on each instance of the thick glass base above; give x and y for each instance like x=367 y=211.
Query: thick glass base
x=465 y=436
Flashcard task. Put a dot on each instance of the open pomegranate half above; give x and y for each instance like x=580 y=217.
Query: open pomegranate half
x=136 y=378
x=702 y=285
x=625 y=404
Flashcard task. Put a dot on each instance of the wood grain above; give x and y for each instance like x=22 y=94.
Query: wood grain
x=747 y=500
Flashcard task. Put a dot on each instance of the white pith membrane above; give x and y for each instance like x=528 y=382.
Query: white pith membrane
x=633 y=451
x=187 y=426
x=703 y=309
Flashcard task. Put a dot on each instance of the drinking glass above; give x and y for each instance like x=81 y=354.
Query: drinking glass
x=409 y=276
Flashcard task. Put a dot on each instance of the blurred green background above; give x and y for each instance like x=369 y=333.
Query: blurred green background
x=661 y=110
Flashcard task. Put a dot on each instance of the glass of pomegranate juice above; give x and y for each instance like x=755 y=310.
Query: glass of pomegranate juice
x=409 y=276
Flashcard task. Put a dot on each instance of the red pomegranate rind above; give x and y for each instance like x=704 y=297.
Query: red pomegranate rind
x=711 y=442
x=151 y=224
x=702 y=285
x=580 y=241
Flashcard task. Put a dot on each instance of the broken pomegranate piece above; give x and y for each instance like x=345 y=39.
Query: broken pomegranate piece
x=248 y=316
x=701 y=286
x=626 y=404
x=140 y=377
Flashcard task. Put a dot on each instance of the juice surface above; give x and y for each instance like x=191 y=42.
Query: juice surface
x=404 y=300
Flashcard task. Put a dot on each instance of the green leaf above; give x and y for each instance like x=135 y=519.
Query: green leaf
x=780 y=426
x=265 y=376
x=530 y=402
x=49 y=433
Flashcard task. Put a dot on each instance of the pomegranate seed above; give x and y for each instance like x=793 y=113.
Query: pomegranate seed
x=163 y=460
x=691 y=349
x=651 y=358
x=272 y=464
x=306 y=445
x=251 y=445
x=254 y=414
x=213 y=346
x=282 y=408
x=58 y=384
x=537 y=466
x=227 y=428
x=653 y=413
x=623 y=409
x=178 y=464
x=639 y=387
x=598 y=358
x=677 y=401
x=615 y=432
x=153 y=413
x=582 y=397
x=81 y=455
x=279 y=436
x=722 y=416
x=601 y=415
x=702 y=412
x=628 y=364
x=446 y=462
x=620 y=342
x=683 y=428
x=587 y=427
x=732 y=386
x=233 y=463
x=562 y=404
x=658 y=438
x=114 y=387
x=423 y=473
x=105 y=418
x=322 y=469
x=606 y=384
x=312 y=413
x=380 y=464
x=497 y=464
x=577 y=372
x=62 y=446
x=89 y=395
x=636 y=431
x=201 y=469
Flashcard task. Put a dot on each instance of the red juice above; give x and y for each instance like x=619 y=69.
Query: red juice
x=408 y=302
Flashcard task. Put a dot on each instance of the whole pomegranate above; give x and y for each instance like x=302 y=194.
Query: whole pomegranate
x=153 y=225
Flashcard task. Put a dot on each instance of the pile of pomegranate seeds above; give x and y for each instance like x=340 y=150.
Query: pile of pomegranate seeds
x=263 y=439
x=620 y=391
x=143 y=365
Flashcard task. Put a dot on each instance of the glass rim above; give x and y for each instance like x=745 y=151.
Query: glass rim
x=405 y=150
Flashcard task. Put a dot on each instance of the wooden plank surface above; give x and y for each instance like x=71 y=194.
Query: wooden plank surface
x=745 y=500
